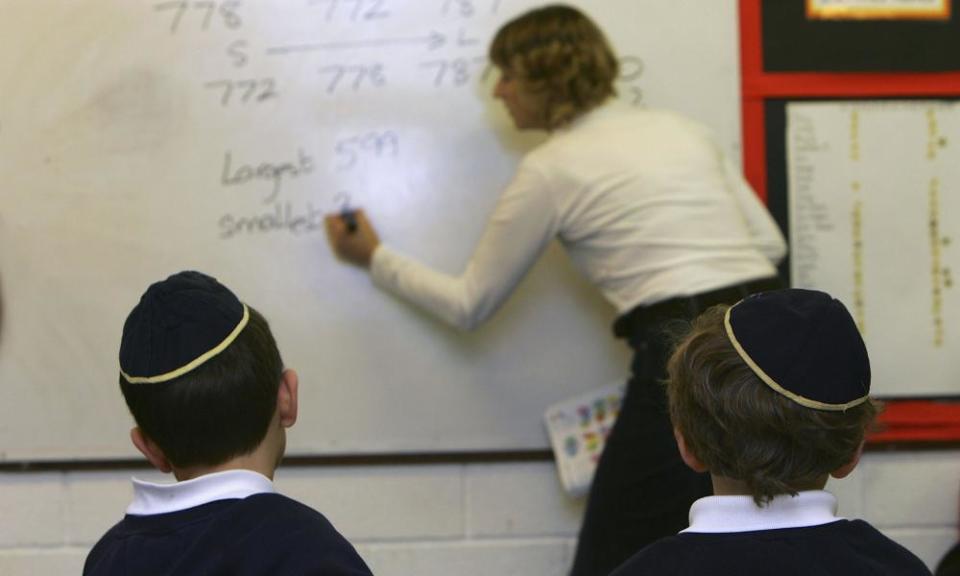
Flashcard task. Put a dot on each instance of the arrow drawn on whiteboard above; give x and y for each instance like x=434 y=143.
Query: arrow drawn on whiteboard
x=433 y=41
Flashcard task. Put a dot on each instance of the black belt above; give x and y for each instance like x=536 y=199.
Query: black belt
x=687 y=307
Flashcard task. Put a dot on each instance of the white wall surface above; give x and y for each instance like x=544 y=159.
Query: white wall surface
x=474 y=519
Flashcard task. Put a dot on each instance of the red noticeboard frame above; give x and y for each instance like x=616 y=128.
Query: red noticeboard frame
x=917 y=422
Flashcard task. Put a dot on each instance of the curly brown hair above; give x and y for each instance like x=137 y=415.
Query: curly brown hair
x=558 y=51
x=740 y=428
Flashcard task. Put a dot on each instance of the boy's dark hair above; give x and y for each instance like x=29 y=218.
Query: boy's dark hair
x=740 y=428
x=557 y=50
x=218 y=410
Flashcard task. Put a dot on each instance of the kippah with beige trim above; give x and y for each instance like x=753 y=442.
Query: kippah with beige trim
x=179 y=324
x=804 y=345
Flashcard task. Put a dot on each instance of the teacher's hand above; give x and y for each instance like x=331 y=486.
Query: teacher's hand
x=356 y=243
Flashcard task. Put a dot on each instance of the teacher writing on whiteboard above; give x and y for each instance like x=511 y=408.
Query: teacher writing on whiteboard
x=651 y=212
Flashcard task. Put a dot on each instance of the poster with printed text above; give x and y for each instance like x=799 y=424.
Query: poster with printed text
x=874 y=205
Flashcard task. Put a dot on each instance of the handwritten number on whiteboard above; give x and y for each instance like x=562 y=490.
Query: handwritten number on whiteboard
x=376 y=11
x=226 y=9
x=179 y=7
x=466 y=8
x=248 y=87
x=457 y=72
x=375 y=145
x=371 y=75
x=227 y=90
x=631 y=70
x=336 y=73
x=269 y=90
x=247 y=90
x=361 y=9
x=209 y=7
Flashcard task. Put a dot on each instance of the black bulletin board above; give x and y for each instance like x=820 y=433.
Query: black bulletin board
x=788 y=57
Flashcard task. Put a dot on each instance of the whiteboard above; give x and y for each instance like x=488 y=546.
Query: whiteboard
x=140 y=138
x=874 y=217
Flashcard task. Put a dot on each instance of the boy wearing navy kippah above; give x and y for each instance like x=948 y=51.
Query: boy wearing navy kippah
x=202 y=376
x=771 y=396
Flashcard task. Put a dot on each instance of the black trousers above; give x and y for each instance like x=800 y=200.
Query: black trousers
x=642 y=490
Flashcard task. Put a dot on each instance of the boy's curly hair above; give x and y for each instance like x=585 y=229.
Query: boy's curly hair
x=740 y=428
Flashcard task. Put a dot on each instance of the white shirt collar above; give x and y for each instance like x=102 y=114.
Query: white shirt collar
x=741 y=514
x=152 y=498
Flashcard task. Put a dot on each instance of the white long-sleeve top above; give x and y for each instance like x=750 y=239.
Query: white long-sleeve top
x=645 y=202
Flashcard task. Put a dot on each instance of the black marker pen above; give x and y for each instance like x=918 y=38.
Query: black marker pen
x=350 y=219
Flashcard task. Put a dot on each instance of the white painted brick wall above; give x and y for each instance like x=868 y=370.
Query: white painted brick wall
x=468 y=520
x=93 y=502
x=383 y=504
x=519 y=501
x=522 y=557
x=32 y=508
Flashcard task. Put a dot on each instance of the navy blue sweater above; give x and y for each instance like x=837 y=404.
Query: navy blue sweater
x=264 y=534
x=842 y=548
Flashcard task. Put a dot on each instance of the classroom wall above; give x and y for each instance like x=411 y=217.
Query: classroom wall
x=473 y=519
